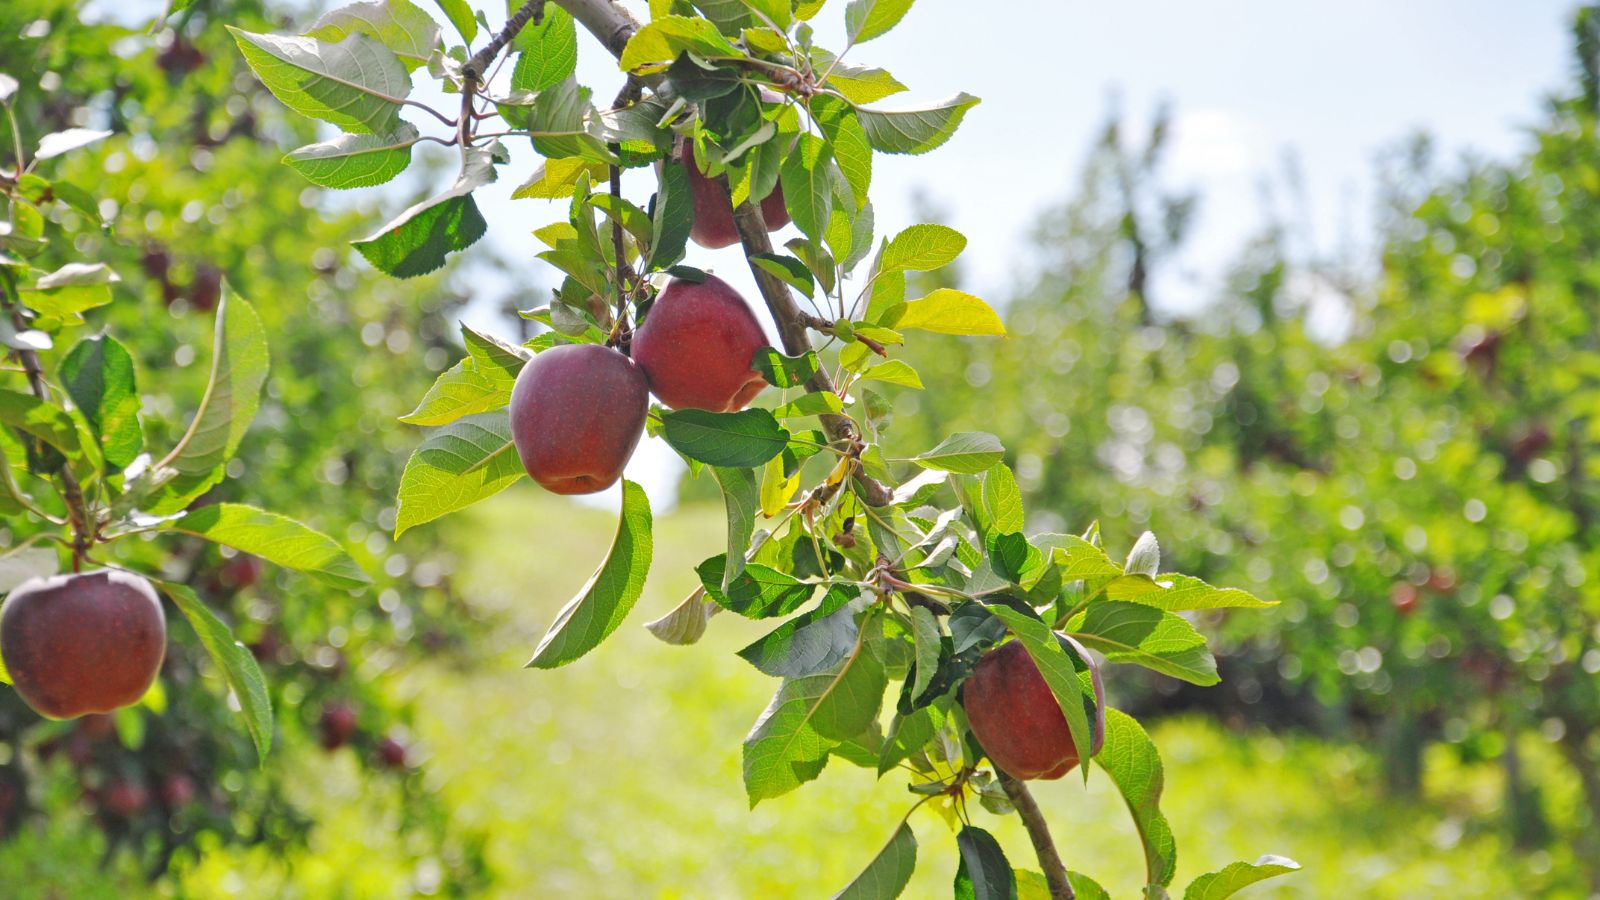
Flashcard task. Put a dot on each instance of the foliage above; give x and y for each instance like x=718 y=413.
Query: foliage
x=884 y=541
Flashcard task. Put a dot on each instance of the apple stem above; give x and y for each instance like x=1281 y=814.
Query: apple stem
x=71 y=491
x=1055 y=872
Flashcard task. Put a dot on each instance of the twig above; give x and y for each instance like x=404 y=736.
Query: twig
x=819 y=324
x=71 y=491
x=1055 y=872
x=531 y=11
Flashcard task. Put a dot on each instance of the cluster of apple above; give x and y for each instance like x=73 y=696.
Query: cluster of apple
x=578 y=410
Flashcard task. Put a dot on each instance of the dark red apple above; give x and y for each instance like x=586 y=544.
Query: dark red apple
x=242 y=571
x=696 y=344
x=713 y=208
x=337 y=725
x=124 y=799
x=177 y=790
x=87 y=643
x=577 y=412
x=1017 y=719
x=391 y=753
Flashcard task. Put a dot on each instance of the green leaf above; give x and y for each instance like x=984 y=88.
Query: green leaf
x=236 y=663
x=728 y=15
x=909 y=735
x=858 y=84
x=1145 y=556
x=460 y=15
x=356 y=84
x=784 y=371
x=743 y=439
x=792 y=271
x=821 y=403
x=887 y=875
x=1176 y=593
x=807 y=181
x=233 y=394
x=275 y=538
x=458 y=465
x=1134 y=766
x=549 y=51
x=789 y=743
x=926 y=643
x=44 y=421
x=921 y=248
x=894 y=371
x=400 y=25
x=604 y=602
x=1033 y=885
x=915 y=130
x=1158 y=640
x=851 y=150
x=867 y=19
x=1002 y=501
x=560 y=123
x=671 y=218
x=812 y=642
x=70 y=290
x=949 y=311
x=663 y=39
x=984 y=874
x=966 y=453
x=758 y=592
x=1238 y=876
x=355 y=160
x=1063 y=670
x=742 y=500
x=417 y=241
x=98 y=375
x=480 y=382
x=556 y=179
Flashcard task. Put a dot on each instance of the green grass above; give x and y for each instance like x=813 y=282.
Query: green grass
x=619 y=775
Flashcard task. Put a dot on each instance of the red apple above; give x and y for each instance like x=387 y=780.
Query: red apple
x=337 y=725
x=1404 y=596
x=1017 y=719
x=87 y=643
x=577 y=413
x=177 y=790
x=696 y=345
x=391 y=753
x=124 y=799
x=713 y=208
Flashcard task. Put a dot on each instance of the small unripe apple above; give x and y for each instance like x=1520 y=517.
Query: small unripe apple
x=337 y=725
x=696 y=345
x=86 y=643
x=713 y=208
x=1017 y=719
x=577 y=413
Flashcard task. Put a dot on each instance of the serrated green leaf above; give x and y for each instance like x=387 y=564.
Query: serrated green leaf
x=1158 y=640
x=893 y=371
x=660 y=42
x=915 y=130
x=782 y=371
x=791 y=271
x=400 y=25
x=887 y=875
x=1130 y=759
x=98 y=375
x=277 y=539
x=921 y=248
x=984 y=873
x=458 y=465
x=812 y=642
x=671 y=218
x=460 y=15
x=356 y=83
x=821 y=403
x=1176 y=593
x=556 y=179
x=948 y=311
x=355 y=160
x=418 y=240
x=741 y=500
x=602 y=604
x=867 y=19
x=743 y=439
x=1238 y=876
x=480 y=382
x=757 y=592
x=807 y=179
x=549 y=51
x=236 y=663
x=966 y=453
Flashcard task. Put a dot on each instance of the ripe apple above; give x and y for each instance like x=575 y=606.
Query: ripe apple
x=337 y=725
x=124 y=799
x=713 y=208
x=84 y=643
x=391 y=753
x=1017 y=719
x=577 y=412
x=177 y=790
x=696 y=344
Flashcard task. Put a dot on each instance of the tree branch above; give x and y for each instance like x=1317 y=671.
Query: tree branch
x=1055 y=873
x=531 y=11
